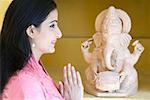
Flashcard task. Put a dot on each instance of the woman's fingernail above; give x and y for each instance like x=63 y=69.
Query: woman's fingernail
x=78 y=73
x=59 y=82
x=65 y=68
x=69 y=64
x=73 y=68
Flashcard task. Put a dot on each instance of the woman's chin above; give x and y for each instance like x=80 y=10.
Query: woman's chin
x=52 y=50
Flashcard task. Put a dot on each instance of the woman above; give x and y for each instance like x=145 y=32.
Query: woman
x=30 y=30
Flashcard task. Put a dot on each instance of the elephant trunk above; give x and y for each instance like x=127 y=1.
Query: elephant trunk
x=107 y=56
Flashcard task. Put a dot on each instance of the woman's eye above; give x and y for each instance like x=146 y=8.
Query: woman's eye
x=52 y=26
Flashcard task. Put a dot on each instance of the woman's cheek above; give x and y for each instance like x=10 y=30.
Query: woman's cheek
x=42 y=46
x=49 y=48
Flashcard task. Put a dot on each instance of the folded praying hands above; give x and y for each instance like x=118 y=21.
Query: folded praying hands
x=71 y=88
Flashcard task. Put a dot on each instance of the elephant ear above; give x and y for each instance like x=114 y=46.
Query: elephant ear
x=126 y=21
x=99 y=20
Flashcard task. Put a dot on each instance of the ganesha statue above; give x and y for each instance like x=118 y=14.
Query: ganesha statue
x=111 y=70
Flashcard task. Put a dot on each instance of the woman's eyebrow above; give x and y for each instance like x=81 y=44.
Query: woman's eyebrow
x=53 y=21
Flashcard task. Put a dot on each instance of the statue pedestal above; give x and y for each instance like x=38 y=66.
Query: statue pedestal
x=89 y=89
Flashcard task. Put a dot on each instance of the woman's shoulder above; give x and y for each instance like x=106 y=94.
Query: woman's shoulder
x=21 y=78
x=25 y=85
x=28 y=81
x=30 y=86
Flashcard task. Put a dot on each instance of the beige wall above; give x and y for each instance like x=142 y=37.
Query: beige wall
x=3 y=6
x=77 y=17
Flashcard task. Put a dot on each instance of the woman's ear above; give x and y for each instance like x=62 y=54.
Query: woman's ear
x=31 y=31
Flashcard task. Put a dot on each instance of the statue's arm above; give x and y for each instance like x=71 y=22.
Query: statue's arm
x=138 y=49
x=85 y=46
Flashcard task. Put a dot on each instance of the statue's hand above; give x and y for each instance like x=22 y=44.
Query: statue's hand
x=125 y=39
x=86 y=45
x=138 y=46
x=122 y=39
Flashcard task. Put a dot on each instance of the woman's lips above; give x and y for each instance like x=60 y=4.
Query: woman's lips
x=53 y=42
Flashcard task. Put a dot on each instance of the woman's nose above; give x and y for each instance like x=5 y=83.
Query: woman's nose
x=58 y=33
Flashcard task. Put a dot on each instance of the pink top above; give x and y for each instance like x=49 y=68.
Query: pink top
x=31 y=83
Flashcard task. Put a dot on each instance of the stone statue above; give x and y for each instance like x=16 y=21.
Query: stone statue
x=111 y=69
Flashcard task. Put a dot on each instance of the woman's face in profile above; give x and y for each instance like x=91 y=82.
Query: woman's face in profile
x=47 y=34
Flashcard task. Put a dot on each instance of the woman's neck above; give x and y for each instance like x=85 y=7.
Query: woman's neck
x=36 y=53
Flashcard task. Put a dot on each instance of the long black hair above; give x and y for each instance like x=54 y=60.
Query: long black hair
x=14 y=41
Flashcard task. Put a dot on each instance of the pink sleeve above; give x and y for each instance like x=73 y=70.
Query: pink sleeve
x=31 y=89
